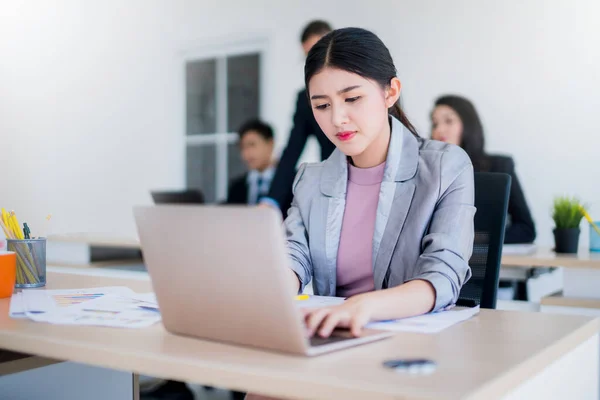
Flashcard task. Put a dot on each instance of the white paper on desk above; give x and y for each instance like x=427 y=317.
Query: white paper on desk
x=115 y=319
x=146 y=300
x=427 y=323
x=115 y=302
x=17 y=306
x=149 y=297
x=41 y=301
x=320 y=301
x=110 y=310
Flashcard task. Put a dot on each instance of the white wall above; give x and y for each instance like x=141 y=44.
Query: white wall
x=92 y=94
x=90 y=111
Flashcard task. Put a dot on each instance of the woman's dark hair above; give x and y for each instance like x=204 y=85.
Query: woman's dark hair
x=472 y=140
x=358 y=51
x=316 y=27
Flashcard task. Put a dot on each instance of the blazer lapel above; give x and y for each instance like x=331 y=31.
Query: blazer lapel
x=335 y=216
x=334 y=182
x=395 y=197
x=402 y=200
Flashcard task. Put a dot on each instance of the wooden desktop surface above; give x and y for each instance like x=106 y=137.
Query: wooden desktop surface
x=484 y=357
x=545 y=257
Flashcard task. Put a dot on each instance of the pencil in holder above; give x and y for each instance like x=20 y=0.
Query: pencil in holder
x=31 y=261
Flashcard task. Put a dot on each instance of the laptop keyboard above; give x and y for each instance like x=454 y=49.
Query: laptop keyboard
x=319 y=341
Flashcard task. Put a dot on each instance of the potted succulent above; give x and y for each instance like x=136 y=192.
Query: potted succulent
x=567 y=214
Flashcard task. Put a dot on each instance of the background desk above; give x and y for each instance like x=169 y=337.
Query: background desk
x=93 y=250
x=541 y=257
x=579 y=274
x=544 y=257
x=498 y=353
x=537 y=264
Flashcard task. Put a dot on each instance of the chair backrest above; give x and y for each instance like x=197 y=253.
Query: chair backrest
x=191 y=196
x=491 y=200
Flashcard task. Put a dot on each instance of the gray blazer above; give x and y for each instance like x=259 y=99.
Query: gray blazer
x=424 y=226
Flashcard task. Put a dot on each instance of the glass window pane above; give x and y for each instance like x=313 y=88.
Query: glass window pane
x=236 y=166
x=200 y=168
x=243 y=98
x=201 y=103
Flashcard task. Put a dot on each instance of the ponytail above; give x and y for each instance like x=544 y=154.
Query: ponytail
x=397 y=112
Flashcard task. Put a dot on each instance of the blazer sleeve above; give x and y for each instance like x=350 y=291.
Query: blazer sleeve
x=297 y=236
x=285 y=206
x=284 y=175
x=448 y=243
x=522 y=227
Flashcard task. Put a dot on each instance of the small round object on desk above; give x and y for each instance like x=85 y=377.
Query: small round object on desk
x=412 y=366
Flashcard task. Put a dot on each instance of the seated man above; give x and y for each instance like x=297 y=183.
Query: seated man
x=256 y=147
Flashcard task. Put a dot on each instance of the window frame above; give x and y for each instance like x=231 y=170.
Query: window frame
x=222 y=138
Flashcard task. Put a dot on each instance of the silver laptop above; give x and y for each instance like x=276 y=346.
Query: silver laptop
x=219 y=273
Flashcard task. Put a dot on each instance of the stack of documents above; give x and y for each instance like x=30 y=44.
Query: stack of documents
x=116 y=306
x=428 y=323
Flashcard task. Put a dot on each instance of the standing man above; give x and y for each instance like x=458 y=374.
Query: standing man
x=305 y=125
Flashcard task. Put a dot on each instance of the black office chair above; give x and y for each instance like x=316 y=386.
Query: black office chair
x=491 y=200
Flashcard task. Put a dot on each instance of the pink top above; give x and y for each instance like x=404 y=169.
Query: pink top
x=354 y=259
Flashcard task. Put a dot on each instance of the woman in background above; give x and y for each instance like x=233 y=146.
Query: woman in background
x=455 y=120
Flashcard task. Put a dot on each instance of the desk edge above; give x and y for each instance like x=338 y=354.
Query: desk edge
x=518 y=375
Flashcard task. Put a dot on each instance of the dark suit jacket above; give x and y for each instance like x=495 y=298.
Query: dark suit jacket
x=238 y=194
x=522 y=227
x=305 y=125
x=238 y=190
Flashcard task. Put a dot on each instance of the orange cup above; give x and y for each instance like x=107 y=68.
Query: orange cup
x=8 y=273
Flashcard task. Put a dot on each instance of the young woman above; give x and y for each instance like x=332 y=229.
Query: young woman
x=455 y=120
x=387 y=219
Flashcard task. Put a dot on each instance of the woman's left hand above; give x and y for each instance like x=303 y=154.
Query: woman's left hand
x=354 y=314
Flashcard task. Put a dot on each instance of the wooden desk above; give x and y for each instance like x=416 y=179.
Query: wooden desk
x=544 y=257
x=494 y=354
x=580 y=272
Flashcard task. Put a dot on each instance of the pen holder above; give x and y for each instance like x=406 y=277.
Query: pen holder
x=31 y=261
